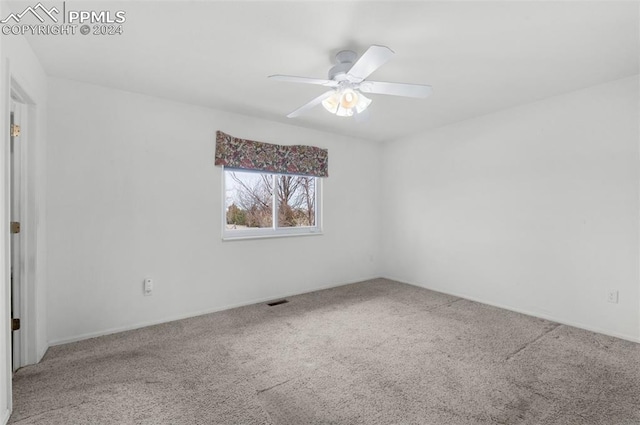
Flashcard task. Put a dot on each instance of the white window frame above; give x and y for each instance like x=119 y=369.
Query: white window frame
x=274 y=231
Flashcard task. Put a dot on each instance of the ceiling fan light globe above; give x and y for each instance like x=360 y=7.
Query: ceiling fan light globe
x=332 y=103
x=363 y=103
x=346 y=103
x=349 y=99
x=344 y=112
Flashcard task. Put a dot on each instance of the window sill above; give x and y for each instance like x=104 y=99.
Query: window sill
x=240 y=237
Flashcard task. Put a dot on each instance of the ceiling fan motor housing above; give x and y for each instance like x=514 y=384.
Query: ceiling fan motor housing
x=345 y=59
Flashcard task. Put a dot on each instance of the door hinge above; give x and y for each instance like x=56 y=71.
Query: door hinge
x=15 y=324
x=15 y=130
x=15 y=227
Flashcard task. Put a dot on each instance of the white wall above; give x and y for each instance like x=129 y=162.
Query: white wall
x=19 y=64
x=133 y=193
x=534 y=208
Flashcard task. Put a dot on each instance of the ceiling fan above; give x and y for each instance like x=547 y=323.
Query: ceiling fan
x=348 y=82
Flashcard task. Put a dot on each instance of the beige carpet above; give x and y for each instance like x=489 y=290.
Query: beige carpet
x=376 y=352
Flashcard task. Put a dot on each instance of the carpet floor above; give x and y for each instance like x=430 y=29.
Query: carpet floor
x=376 y=352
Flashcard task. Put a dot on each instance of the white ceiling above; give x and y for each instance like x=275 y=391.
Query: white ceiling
x=479 y=56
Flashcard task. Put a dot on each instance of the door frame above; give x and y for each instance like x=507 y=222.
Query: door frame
x=5 y=258
x=19 y=169
x=25 y=296
x=15 y=201
x=31 y=265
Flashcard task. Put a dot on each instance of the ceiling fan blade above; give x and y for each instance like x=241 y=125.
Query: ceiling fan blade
x=372 y=59
x=304 y=80
x=314 y=102
x=395 y=89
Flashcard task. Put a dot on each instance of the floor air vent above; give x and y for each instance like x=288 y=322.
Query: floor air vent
x=271 y=304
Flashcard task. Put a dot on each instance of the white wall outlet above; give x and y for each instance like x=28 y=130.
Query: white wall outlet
x=148 y=287
x=612 y=296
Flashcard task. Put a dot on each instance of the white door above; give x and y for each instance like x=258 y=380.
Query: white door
x=16 y=260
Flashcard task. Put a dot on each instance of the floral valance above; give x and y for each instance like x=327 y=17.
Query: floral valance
x=251 y=155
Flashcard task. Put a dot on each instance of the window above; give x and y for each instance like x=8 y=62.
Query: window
x=259 y=204
x=269 y=190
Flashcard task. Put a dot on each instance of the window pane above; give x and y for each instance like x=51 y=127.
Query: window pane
x=296 y=201
x=248 y=199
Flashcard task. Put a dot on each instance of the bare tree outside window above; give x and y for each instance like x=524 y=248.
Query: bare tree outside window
x=249 y=200
x=296 y=201
x=250 y=196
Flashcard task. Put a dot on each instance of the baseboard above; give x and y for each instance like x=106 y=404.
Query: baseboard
x=523 y=311
x=194 y=314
